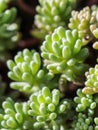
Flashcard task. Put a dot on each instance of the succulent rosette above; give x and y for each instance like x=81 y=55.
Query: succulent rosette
x=62 y=52
x=46 y=107
x=9 y=34
x=80 y=20
x=86 y=117
x=85 y=21
x=9 y=29
x=15 y=116
x=27 y=74
x=91 y=83
x=52 y=14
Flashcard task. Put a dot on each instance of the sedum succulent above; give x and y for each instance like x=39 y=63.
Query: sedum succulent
x=53 y=125
x=9 y=34
x=52 y=14
x=80 y=20
x=52 y=86
x=94 y=25
x=83 y=122
x=92 y=81
x=26 y=71
x=15 y=116
x=85 y=21
x=84 y=101
x=46 y=107
x=8 y=29
x=86 y=117
x=3 y=5
x=63 y=53
x=94 y=20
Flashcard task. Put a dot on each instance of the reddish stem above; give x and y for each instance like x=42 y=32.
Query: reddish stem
x=29 y=43
x=26 y=7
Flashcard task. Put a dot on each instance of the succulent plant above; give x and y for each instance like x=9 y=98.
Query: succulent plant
x=94 y=20
x=26 y=71
x=84 y=122
x=15 y=116
x=52 y=14
x=63 y=53
x=92 y=81
x=86 y=117
x=9 y=35
x=84 y=101
x=3 y=5
x=8 y=29
x=45 y=106
x=94 y=25
x=55 y=88
x=85 y=21
x=80 y=20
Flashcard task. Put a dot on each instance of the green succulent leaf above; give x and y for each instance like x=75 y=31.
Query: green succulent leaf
x=15 y=116
x=91 y=84
x=46 y=105
x=27 y=74
x=63 y=53
x=50 y=15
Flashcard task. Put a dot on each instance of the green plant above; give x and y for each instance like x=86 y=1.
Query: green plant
x=52 y=14
x=15 y=116
x=63 y=53
x=9 y=34
x=46 y=107
x=92 y=81
x=85 y=21
x=26 y=71
x=86 y=111
x=55 y=85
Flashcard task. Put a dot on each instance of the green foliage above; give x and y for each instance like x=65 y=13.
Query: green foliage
x=26 y=71
x=84 y=102
x=85 y=21
x=3 y=5
x=52 y=14
x=58 y=91
x=94 y=25
x=15 y=116
x=92 y=81
x=8 y=29
x=46 y=107
x=80 y=20
x=63 y=53
x=83 y=122
x=9 y=34
x=86 y=117
x=94 y=20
